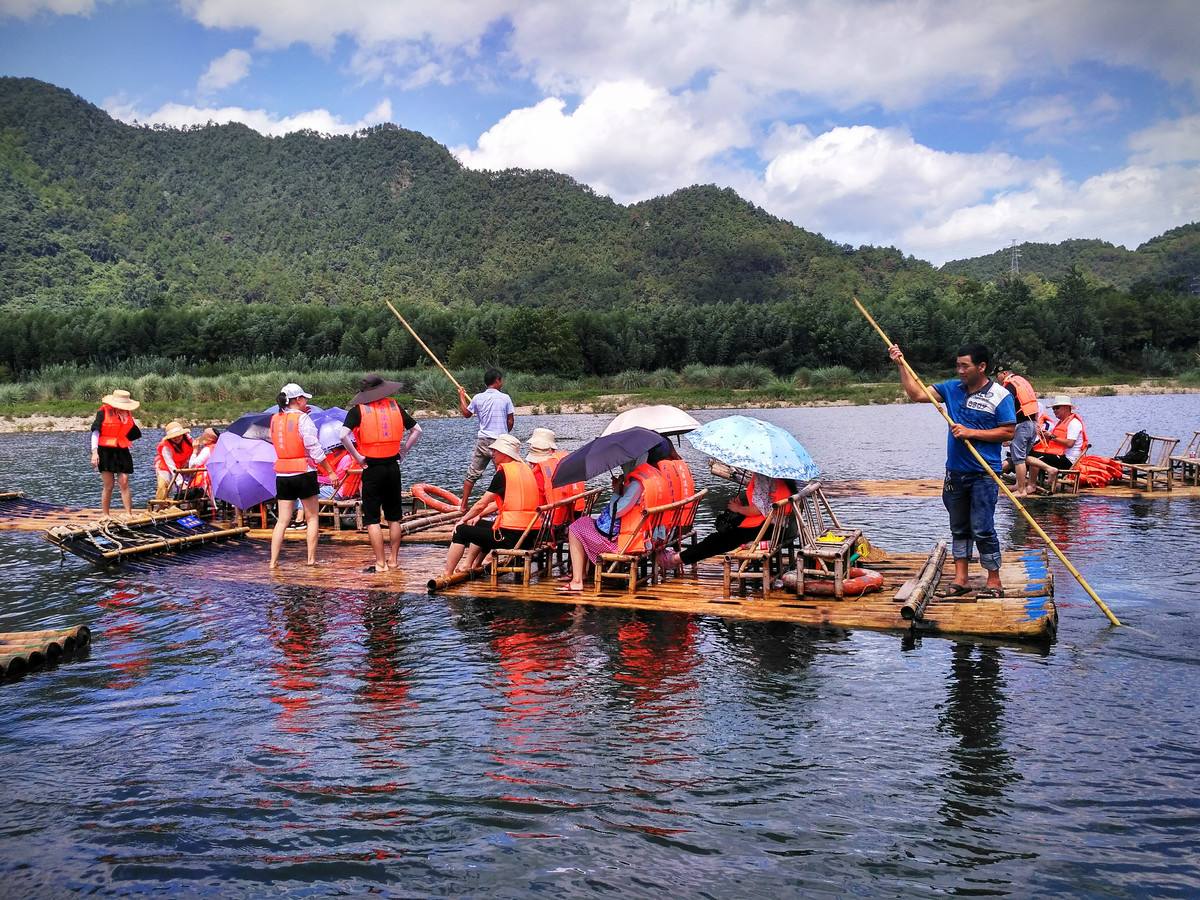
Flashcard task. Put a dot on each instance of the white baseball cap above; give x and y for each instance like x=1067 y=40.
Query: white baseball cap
x=291 y=391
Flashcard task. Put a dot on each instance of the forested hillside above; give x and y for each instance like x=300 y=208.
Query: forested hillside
x=197 y=244
x=1170 y=258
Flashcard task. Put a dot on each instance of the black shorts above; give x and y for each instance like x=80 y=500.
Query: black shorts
x=116 y=459
x=296 y=487
x=482 y=535
x=381 y=489
x=1052 y=459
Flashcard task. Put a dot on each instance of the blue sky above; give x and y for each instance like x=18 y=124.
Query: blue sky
x=946 y=128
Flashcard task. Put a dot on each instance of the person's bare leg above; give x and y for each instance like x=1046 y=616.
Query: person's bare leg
x=394 y=538
x=960 y=573
x=313 y=525
x=468 y=486
x=286 y=509
x=126 y=493
x=106 y=489
x=993 y=578
x=1023 y=488
x=453 y=555
x=163 y=487
x=375 y=533
x=578 y=563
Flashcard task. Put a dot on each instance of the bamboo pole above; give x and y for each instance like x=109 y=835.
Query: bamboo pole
x=445 y=581
x=422 y=523
x=995 y=477
x=417 y=337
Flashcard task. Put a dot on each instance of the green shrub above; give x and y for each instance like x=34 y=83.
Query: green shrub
x=831 y=376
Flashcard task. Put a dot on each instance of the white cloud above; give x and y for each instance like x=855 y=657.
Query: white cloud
x=27 y=9
x=227 y=69
x=1171 y=141
x=178 y=115
x=626 y=139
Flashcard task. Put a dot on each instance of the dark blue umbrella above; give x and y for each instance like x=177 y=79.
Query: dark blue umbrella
x=252 y=426
x=605 y=453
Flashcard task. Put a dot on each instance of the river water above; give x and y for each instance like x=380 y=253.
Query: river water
x=229 y=741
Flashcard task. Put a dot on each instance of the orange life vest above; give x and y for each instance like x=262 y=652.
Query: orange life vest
x=1027 y=401
x=1056 y=442
x=382 y=429
x=517 y=506
x=679 y=476
x=635 y=528
x=179 y=455
x=779 y=491
x=114 y=431
x=289 y=445
x=552 y=494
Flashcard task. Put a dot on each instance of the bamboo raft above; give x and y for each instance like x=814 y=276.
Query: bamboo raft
x=1025 y=613
x=932 y=488
x=110 y=541
x=24 y=650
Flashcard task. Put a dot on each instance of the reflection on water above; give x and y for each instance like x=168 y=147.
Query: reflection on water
x=222 y=738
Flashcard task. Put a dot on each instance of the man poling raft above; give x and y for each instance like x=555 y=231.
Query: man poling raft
x=1041 y=532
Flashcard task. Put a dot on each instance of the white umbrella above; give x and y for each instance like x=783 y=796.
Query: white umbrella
x=666 y=420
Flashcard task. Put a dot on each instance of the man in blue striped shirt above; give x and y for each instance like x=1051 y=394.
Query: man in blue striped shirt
x=985 y=414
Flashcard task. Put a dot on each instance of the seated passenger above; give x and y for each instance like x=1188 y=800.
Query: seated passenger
x=513 y=494
x=543 y=457
x=1062 y=445
x=618 y=527
x=754 y=507
x=174 y=452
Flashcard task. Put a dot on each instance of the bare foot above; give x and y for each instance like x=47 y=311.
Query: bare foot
x=311 y=562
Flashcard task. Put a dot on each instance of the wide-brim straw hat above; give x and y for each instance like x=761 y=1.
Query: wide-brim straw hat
x=375 y=387
x=541 y=445
x=508 y=445
x=1060 y=400
x=120 y=400
x=174 y=430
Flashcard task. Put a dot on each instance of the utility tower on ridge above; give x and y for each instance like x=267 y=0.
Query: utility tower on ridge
x=1014 y=267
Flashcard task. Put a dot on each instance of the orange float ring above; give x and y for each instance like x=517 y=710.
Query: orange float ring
x=861 y=581
x=436 y=498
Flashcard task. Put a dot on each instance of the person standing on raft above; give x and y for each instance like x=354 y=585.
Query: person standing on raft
x=984 y=413
x=384 y=433
x=494 y=410
x=113 y=432
x=299 y=453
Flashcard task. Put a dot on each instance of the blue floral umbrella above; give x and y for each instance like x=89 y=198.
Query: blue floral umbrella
x=756 y=446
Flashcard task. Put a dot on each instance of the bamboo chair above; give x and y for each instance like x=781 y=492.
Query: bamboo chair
x=679 y=523
x=1187 y=461
x=826 y=544
x=635 y=560
x=546 y=547
x=760 y=559
x=1062 y=481
x=339 y=507
x=1157 y=466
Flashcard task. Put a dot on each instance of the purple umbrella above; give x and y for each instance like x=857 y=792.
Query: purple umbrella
x=253 y=426
x=312 y=408
x=242 y=471
x=329 y=426
x=609 y=451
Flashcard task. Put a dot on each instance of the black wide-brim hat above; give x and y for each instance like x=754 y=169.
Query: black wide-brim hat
x=373 y=388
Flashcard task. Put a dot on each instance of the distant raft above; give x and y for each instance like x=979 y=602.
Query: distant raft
x=21 y=651
x=109 y=541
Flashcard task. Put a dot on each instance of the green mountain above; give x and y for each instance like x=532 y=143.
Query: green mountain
x=1173 y=257
x=199 y=245
x=93 y=210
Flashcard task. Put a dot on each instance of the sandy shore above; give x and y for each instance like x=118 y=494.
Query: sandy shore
x=606 y=404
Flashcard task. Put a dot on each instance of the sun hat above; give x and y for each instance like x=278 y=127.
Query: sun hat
x=373 y=387
x=508 y=445
x=120 y=400
x=541 y=445
x=1060 y=400
x=174 y=430
x=291 y=391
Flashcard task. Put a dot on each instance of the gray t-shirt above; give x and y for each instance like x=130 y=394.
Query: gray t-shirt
x=491 y=408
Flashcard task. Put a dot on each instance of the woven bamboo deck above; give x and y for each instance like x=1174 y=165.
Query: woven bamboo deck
x=1026 y=612
x=24 y=650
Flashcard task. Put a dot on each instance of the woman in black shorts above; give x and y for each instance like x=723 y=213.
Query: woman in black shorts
x=113 y=432
x=298 y=453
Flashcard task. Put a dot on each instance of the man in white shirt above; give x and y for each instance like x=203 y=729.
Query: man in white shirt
x=494 y=410
x=1062 y=444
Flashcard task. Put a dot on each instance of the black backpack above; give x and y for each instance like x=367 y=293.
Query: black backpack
x=1139 y=449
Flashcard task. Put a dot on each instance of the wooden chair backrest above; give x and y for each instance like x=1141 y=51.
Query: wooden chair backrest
x=1160 y=451
x=1193 y=446
x=681 y=516
x=545 y=519
x=813 y=514
x=654 y=518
